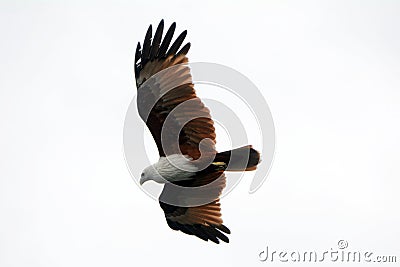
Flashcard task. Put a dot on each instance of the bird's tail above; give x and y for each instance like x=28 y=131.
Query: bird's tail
x=243 y=158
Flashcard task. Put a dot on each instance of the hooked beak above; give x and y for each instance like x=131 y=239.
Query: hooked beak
x=142 y=180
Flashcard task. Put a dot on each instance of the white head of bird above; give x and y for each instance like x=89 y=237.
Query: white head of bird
x=172 y=168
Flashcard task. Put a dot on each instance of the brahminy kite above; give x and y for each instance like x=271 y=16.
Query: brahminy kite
x=186 y=144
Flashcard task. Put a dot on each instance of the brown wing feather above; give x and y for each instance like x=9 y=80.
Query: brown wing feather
x=203 y=221
x=159 y=95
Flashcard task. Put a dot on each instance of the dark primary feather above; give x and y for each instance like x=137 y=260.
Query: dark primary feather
x=184 y=50
x=137 y=57
x=157 y=40
x=167 y=40
x=146 y=46
x=178 y=42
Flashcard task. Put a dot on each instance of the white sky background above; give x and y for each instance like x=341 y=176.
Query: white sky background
x=329 y=70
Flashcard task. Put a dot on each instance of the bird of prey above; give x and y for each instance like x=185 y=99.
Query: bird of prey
x=186 y=143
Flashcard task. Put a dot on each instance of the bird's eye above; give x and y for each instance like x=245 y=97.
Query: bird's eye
x=142 y=174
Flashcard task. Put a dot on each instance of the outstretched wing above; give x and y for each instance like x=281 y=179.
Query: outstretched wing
x=179 y=123
x=203 y=221
x=164 y=84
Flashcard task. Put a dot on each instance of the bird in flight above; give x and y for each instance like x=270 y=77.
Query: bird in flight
x=184 y=132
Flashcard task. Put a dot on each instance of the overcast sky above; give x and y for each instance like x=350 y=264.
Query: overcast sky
x=329 y=71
